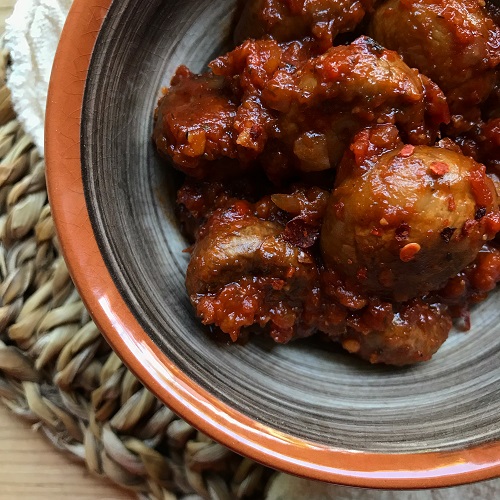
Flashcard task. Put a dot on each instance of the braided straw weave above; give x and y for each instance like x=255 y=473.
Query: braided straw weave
x=58 y=373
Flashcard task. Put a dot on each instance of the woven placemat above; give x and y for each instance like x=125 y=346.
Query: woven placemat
x=58 y=373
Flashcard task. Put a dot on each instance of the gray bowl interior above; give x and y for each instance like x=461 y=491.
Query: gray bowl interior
x=304 y=389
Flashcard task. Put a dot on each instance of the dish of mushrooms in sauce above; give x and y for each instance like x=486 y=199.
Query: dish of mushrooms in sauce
x=342 y=171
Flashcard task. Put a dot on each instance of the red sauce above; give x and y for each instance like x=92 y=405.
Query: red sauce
x=330 y=188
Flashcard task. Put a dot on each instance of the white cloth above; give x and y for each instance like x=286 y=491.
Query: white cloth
x=32 y=34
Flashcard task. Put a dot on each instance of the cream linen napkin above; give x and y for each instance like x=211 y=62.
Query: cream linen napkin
x=32 y=34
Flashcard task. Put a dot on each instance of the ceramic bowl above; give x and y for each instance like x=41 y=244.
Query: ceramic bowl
x=301 y=408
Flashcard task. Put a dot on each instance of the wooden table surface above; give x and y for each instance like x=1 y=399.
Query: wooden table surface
x=29 y=467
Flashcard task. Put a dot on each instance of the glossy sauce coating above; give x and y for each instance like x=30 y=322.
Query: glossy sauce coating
x=455 y=43
x=413 y=220
x=287 y=20
x=346 y=187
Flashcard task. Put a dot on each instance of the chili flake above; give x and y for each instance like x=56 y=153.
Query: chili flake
x=408 y=252
x=439 y=168
x=407 y=151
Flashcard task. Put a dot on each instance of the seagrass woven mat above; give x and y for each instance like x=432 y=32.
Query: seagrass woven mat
x=58 y=373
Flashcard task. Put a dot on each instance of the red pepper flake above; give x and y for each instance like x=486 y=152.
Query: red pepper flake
x=241 y=207
x=452 y=206
x=407 y=151
x=493 y=223
x=361 y=146
x=480 y=188
x=439 y=168
x=278 y=284
x=376 y=231
x=332 y=69
x=408 y=252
